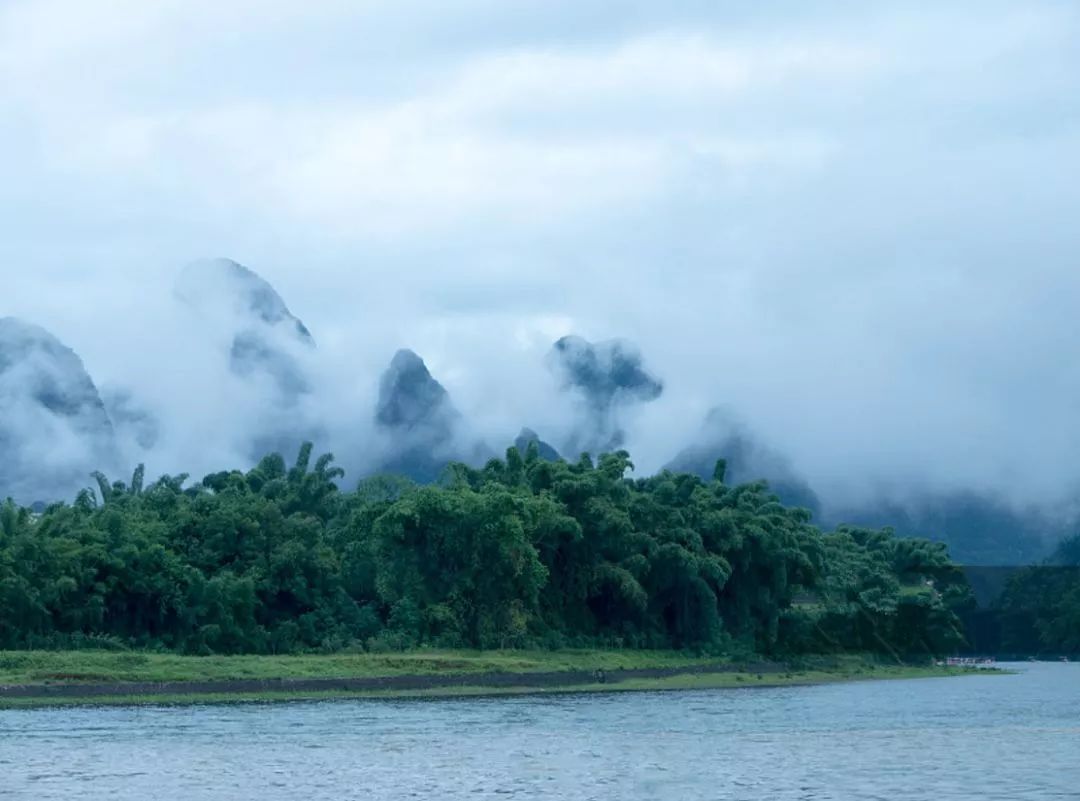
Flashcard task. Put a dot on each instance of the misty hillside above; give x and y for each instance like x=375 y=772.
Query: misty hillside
x=56 y=428
x=543 y=449
x=980 y=529
x=746 y=459
x=415 y=413
x=265 y=345
x=229 y=290
x=606 y=378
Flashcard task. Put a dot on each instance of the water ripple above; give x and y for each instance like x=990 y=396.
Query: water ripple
x=1002 y=737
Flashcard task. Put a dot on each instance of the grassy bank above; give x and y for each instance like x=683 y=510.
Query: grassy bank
x=41 y=667
x=82 y=677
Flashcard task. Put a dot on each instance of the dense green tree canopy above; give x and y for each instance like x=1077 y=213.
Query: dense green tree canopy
x=523 y=552
x=1039 y=611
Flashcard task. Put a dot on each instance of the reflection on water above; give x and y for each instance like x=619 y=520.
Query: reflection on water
x=979 y=737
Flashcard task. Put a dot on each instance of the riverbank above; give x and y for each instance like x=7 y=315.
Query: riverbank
x=43 y=678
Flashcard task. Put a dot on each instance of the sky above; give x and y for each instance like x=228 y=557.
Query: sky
x=853 y=225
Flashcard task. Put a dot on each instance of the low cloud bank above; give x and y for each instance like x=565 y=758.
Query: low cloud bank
x=245 y=377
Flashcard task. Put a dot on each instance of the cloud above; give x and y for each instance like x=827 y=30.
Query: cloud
x=851 y=224
x=489 y=138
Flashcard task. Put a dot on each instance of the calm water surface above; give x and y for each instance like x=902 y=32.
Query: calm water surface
x=980 y=737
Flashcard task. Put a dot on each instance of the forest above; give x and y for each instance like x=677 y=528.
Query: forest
x=524 y=552
x=1038 y=611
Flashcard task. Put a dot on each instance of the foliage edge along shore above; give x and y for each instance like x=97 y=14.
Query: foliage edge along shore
x=523 y=553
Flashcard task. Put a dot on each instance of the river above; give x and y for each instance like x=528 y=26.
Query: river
x=979 y=737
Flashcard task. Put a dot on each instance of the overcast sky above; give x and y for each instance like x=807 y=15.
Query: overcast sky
x=857 y=226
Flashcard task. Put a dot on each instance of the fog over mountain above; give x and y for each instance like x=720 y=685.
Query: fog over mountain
x=607 y=379
x=131 y=422
x=980 y=528
x=267 y=347
x=53 y=426
x=747 y=459
x=418 y=421
x=236 y=297
x=544 y=450
x=58 y=429
x=851 y=225
x=248 y=313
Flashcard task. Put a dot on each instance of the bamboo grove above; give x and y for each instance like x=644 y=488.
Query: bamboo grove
x=521 y=553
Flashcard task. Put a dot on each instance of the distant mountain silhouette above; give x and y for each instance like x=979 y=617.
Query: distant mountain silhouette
x=527 y=437
x=415 y=413
x=607 y=378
